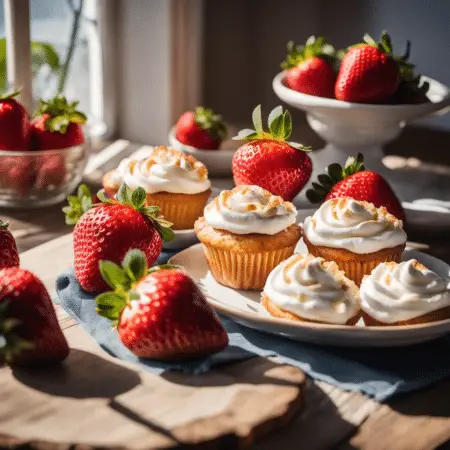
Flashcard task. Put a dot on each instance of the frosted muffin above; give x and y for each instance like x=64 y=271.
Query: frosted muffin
x=307 y=288
x=355 y=234
x=245 y=233
x=404 y=294
x=174 y=181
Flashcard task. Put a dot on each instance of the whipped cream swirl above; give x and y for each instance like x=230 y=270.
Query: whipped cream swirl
x=312 y=289
x=398 y=292
x=353 y=225
x=164 y=170
x=250 y=209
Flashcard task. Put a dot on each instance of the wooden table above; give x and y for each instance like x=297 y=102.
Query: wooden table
x=331 y=418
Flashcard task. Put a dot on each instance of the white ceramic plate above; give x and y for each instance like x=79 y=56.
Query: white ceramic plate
x=244 y=307
x=218 y=161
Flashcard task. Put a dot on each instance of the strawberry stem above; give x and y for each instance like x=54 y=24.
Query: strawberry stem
x=335 y=174
x=280 y=128
x=210 y=122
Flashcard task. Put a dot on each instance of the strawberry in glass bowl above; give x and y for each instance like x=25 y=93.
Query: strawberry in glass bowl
x=41 y=161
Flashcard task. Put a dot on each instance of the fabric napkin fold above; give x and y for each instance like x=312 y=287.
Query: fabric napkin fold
x=377 y=372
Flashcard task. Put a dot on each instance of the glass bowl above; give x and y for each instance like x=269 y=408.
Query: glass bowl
x=34 y=179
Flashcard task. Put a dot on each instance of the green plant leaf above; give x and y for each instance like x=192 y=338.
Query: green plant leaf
x=287 y=119
x=138 y=198
x=299 y=146
x=313 y=196
x=335 y=172
x=150 y=210
x=257 y=120
x=111 y=305
x=246 y=134
x=135 y=264
x=167 y=234
x=114 y=275
x=274 y=114
x=44 y=54
x=101 y=195
x=125 y=195
x=319 y=189
x=325 y=180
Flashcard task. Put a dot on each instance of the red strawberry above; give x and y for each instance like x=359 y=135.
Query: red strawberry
x=17 y=173
x=9 y=256
x=270 y=161
x=356 y=182
x=50 y=170
x=310 y=67
x=369 y=72
x=161 y=314
x=202 y=129
x=28 y=322
x=109 y=229
x=58 y=125
x=15 y=129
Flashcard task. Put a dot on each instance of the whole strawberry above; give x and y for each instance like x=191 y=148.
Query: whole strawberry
x=9 y=256
x=161 y=314
x=15 y=128
x=106 y=231
x=369 y=72
x=57 y=125
x=269 y=160
x=28 y=322
x=356 y=182
x=201 y=128
x=310 y=67
x=50 y=170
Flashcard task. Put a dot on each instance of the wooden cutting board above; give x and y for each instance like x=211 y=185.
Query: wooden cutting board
x=94 y=400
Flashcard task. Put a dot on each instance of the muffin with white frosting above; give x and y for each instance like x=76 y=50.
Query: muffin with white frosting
x=355 y=234
x=404 y=294
x=310 y=289
x=245 y=233
x=175 y=182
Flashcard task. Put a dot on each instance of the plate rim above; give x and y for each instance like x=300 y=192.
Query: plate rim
x=270 y=321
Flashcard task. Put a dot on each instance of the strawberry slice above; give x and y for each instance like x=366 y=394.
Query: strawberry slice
x=159 y=314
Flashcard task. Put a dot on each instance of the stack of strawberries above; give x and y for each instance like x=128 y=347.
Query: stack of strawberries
x=57 y=125
x=366 y=72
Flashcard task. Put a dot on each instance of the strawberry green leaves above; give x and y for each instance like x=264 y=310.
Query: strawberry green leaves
x=78 y=205
x=280 y=128
x=61 y=114
x=136 y=199
x=335 y=174
x=210 y=122
x=4 y=225
x=82 y=202
x=123 y=280
x=314 y=47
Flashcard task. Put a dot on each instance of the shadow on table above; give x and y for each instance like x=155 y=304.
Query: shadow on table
x=81 y=375
x=432 y=401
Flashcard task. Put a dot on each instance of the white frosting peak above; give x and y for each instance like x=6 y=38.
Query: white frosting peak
x=398 y=292
x=163 y=170
x=357 y=226
x=250 y=209
x=313 y=289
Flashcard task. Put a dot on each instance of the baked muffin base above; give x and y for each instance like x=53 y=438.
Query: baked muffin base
x=434 y=316
x=180 y=209
x=275 y=311
x=356 y=265
x=245 y=261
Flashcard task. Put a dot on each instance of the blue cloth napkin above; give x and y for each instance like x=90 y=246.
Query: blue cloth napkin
x=380 y=373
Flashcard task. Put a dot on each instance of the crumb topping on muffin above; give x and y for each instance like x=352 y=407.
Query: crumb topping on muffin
x=357 y=226
x=400 y=292
x=313 y=289
x=163 y=170
x=250 y=209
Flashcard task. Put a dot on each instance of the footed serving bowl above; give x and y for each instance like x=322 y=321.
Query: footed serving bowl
x=349 y=128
